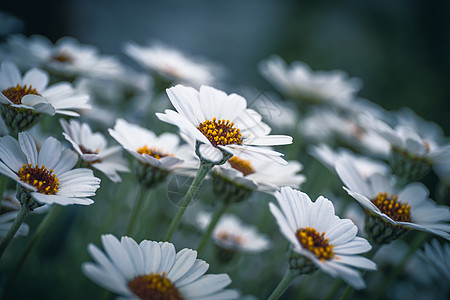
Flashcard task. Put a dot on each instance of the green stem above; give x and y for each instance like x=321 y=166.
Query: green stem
x=2 y=188
x=37 y=235
x=389 y=279
x=283 y=285
x=212 y=224
x=140 y=197
x=23 y=213
x=205 y=167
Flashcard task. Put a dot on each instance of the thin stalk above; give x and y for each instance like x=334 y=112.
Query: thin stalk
x=2 y=187
x=23 y=213
x=283 y=285
x=205 y=167
x=140 y=197
x=212 y=224
x=37 y=235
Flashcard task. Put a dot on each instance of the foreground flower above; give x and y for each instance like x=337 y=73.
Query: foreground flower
x=299 y=81
x=231 y=234
x=153 y=270
x=221 y=123
x=317 y=234
x=46 y=174
x=67 y=57
x=172 y=65
x=395 y=210
x=23 y=99
x=91 y=147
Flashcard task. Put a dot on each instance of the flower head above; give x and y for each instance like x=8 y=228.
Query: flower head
x=153 y=270
x=172 y=64
x=315 y=232
x=230 y=233
x=67 y=57
x=30 y=95
x=46 y=174
x=221 y=122
x=405 y=208
x=299 y=81
x=91 y=147
x=266 y=176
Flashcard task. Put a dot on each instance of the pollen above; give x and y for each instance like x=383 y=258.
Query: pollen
x=154 y=286
x=389 y=205
x=62 y=57
x=242 y=165
x=221 y=132
x=154 y=152
x=45 y=181
x=229 y=238
x=315 y=242
x=15 y=94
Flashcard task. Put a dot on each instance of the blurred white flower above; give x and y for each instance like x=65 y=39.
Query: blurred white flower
x=266 y=176
x=230 y=233
x=153 y=270
x=299 y=81
x=172 y=64
x=92 y=148
x=365 y=166
x=315 y=232
x=67 y=57
x=221 y=122
x=9 y=209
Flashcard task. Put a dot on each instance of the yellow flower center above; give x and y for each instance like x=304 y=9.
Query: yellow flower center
x=154 y=287
x=42 y=179
x=315 y=242
x=389 y=205
x=221 y=132
x=242 y=165
x=15 y=94
x=62 y=57
x=154 y=152
x=230 y=238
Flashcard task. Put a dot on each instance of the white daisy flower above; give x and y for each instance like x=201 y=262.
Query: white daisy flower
x=173 y=65
x=67 y=57
x=231 y=234
x=316 y=233
x=31 y=92
x=221 y=122
x=405 y=140
x=47 y=174
x=92 y=148
x=365 y=166
x=266 y=176
x=153 y=270
x=163 y=152
x=299 y=81
x=407 y=208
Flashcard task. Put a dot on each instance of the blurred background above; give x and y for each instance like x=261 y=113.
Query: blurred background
x=400 y=49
